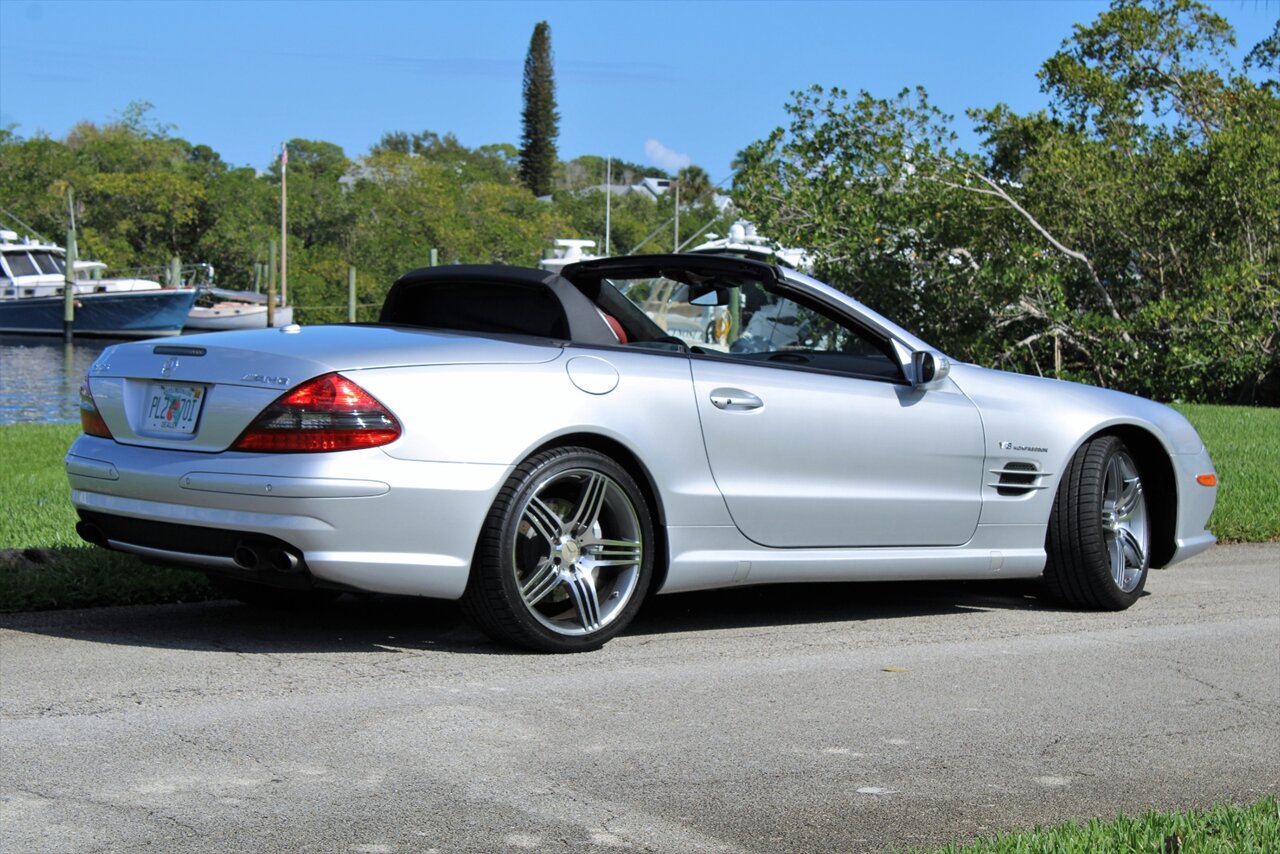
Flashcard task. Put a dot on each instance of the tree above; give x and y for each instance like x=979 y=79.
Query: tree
x=495 y=162
x=1128 y=236
x=589 y=170
x=1159 y=168
x=319 y=209
x=695 y=185
x=541 y=121
x=143 y=196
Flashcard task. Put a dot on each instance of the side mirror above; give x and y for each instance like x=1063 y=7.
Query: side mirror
x=927 y=367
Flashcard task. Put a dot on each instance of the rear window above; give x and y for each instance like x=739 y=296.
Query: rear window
x=479 y=307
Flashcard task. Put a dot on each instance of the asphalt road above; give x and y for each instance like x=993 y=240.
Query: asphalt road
x=833 y=718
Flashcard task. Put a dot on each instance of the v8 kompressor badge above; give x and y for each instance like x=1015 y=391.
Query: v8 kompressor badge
x=1014 y=446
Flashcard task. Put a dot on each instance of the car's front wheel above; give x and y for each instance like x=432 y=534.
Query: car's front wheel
x=1099 y=538
x=565 y=556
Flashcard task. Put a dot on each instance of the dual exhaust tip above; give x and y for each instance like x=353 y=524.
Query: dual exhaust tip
x=253 y=556
x=248 y=555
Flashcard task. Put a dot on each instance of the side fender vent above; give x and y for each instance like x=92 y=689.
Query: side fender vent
x=1018 y=478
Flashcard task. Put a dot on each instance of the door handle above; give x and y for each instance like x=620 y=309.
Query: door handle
x=735 y=399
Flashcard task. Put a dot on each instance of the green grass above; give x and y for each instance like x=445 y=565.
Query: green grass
x=1245 y=445
x=43 y=564
x=36 y=517
x=1222 y=829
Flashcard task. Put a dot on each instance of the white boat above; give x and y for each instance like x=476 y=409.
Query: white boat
x=32 y=285
x=568 y=252
x=219 y=309
x=742 y=239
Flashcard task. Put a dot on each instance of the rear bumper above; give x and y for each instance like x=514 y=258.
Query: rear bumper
x=356 y=519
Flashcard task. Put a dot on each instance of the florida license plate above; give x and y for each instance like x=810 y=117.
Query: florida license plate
x=173 y=408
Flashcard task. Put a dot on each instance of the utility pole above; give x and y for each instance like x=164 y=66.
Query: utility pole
x=351 y=294
x=608 y=200
x=675 y=246
x=271 y=284
x=284 y=227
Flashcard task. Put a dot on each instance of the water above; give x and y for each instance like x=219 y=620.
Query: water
x=40 y=377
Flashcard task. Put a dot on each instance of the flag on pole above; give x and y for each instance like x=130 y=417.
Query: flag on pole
x=284 y=156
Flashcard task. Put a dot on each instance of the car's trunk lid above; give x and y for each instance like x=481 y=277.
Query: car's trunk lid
x=199 y=392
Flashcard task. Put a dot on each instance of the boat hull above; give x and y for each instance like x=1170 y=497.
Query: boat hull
x=138 y=314
x=224 y=316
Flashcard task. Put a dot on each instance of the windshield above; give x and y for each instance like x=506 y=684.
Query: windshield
x=20 y=264
x=48 y=262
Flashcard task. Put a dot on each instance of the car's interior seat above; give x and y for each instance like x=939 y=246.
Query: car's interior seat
x=615 y=326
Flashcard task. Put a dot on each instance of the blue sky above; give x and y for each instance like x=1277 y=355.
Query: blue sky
x=650 y=82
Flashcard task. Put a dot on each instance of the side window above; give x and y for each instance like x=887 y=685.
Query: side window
x=781 y=331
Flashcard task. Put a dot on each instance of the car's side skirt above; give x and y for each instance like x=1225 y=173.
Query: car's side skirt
x=708 y=557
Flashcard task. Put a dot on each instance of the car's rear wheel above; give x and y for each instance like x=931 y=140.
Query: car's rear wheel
x=1099 y=535
x=564 y=559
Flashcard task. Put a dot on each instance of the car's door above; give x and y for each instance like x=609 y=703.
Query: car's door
x=817 y=459
x=816 y=439
x=814 y=436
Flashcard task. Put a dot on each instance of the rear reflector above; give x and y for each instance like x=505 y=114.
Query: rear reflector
x=328 y=413
x=1207 y=479
x=90 y=418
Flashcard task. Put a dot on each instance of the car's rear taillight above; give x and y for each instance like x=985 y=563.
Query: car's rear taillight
x=328 y=413
x=90 y=418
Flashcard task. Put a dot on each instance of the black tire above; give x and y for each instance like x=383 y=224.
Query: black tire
x=1098 y=541
x=267 y=596
x=565 y=556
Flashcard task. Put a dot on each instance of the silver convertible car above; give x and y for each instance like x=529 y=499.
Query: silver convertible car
x=552 y=448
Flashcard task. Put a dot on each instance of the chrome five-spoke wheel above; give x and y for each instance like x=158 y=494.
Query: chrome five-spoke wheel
x=1124 y=522
x=578 y=550
x=564 y=559
x=1099 y=537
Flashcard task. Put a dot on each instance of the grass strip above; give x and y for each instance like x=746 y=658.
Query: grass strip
x=43 y=563
x=1248 y=829
x=1245 y=445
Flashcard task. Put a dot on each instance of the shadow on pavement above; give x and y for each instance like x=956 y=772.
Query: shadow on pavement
x=795 y=604
x=378 y=623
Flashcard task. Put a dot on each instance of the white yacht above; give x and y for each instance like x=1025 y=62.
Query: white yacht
x=32 y=284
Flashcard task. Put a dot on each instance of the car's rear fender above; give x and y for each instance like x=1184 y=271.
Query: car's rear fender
x=627 y=458
x=503 y=414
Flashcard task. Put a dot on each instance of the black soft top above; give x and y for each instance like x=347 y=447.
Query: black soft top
x=567 y=306
x=494 y=298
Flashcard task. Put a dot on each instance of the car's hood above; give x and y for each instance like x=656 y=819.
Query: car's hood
x=1001 y=395
x=288 y=355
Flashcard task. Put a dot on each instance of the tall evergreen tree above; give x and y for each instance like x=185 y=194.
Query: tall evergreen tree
x=541 y=121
